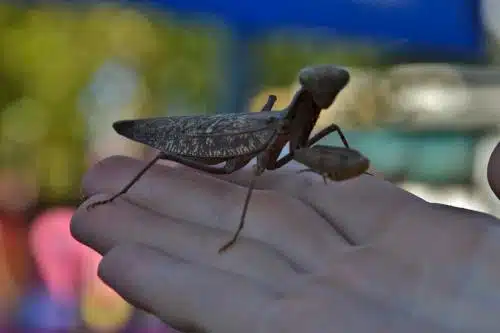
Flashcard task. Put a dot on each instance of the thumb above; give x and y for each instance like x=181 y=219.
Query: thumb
x=494 y=171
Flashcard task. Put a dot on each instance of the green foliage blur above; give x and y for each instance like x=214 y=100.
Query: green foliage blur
x=50 y=55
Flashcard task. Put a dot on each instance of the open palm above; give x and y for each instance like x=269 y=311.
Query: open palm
x=356 y=256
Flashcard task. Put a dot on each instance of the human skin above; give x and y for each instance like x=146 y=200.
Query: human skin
x=415 y=266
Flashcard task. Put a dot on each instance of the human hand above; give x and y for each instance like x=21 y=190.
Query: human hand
x=414 y=266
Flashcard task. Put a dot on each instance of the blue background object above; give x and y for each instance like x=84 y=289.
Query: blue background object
x=450 y=27
x=437 y=24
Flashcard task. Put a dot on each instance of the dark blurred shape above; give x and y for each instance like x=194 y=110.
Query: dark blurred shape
x=494 y=171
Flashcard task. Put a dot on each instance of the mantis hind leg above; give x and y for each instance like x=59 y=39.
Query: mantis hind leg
x=129 y=184
x=258 y=170
x=229 y=167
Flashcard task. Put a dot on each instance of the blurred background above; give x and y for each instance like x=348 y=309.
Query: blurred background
x=422 y=104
